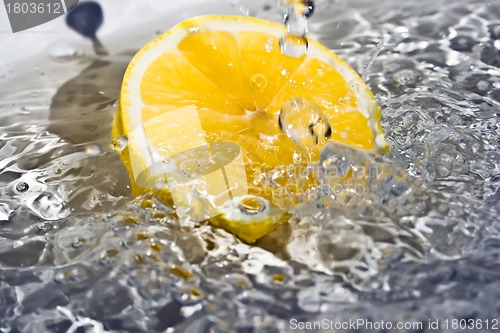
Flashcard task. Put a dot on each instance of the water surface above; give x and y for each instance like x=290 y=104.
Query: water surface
x=420 y=242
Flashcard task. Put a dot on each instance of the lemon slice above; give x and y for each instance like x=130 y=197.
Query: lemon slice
x=211 y=104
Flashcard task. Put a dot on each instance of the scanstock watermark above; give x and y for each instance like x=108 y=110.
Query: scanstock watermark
x=26 y=14
x=204 y=178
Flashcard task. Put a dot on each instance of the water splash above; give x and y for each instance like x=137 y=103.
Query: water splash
x=302 y=121
x=420 y=242
x=294 y=42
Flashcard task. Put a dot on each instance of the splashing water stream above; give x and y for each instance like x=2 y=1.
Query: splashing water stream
x=295 y=14
x=412 y=236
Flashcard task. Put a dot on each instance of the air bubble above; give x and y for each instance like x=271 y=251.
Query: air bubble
x=252 y=205
x=22 y=187
x=258 y=81
x=483 y=86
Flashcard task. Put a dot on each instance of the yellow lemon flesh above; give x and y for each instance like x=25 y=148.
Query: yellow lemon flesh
x=207 y=102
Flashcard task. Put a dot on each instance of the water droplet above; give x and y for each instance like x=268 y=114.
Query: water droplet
x=354 y=86
x=119 y=144
x=243 y=8
x=193 y=30
x=258 y=81
x=22 y=187
x=65 y=53
x=92 y=149
x=269 y=45
x=25 y=110
x=252 y=205
x=405 y=77
x=483 y=86
x=303 y=122
x=293 y=46
x=462 y=43
x=296 y=25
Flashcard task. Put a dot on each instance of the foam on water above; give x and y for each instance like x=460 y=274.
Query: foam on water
x=411 y=236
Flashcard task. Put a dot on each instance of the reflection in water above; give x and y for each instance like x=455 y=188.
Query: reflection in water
x=82 y=109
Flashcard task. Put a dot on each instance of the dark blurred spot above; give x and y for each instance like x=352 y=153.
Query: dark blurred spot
x=462 y=43
x=85 y=19
x=309 y=7
x=494 y=30
x=60 y=327
x=23 y=256
x=491 y=55
x=169 y=316
x=495 y=94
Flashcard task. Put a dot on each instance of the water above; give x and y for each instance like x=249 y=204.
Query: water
x=295 y=14
x=412 y=236
x=302 y=121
